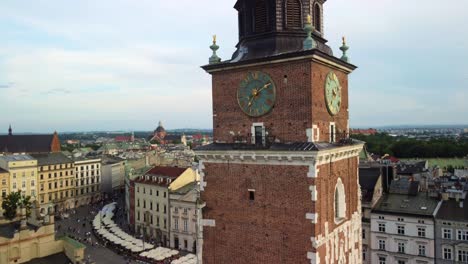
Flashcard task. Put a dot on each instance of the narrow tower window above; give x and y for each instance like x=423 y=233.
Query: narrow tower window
x=260 y=16
x=293 y=14
x=252 y=195
x=317 y=18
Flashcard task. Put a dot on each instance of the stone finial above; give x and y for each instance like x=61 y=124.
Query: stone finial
x=10 y=131
x=309 y=42
x=214 y=58
x=344 y=49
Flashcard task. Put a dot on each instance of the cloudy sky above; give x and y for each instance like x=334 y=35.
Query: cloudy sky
x=126 y=64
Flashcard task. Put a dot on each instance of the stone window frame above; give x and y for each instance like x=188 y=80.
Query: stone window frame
x=339 y=201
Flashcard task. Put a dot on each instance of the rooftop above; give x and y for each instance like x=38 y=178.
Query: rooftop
x=51 y=158
x=451 y=210
x=22 y=157
x=26 y=143
x=419 y=205
x=59 y=258
x=295 y=146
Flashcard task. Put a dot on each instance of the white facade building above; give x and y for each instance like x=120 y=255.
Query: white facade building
x=402 y=230
x=183 y=203
x=87 y=179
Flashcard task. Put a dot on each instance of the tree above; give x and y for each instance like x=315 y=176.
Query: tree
x=14 y=200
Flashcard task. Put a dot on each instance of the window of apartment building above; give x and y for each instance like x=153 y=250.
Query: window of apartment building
x=32 y=173
x=364 y=253
x=447 y=253
x=401 y=230
x=463 y=255
x=185 y=225
x=138 y=216
x=55 y=175
x=381 y=244
x=42 y=186
x=165 y=223
x=363 y=233
x=164 y=194
x=401 y=262
x=421 y=232
x=144 y=204
x=42 y=176
x=33 y=193
x=50 y=197
x=176 y=209
x=138 y=202
x=157 y=221
x=185 y=210
x=382 y=227
x=14 y=175
x=165 y=211
x=400 y=219
x=462 y=235
x=176 y=224
x=401 y=247
x=3 y=181
x=32 y=183
x=447 y=233
x=382 y=260
x=422 y=250
x=23 y=184
x=23 y=174
x=55 y=185
x=14 y=185
x=151 y=205
x=50 y=185
x=151 y=192
x=138 y=189
x=61 y=184
x=4 y=192
x=144 y=190
x=157 y=193
x=50 y=175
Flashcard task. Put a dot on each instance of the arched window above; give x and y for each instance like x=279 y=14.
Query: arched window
x=340 y=201
x=260 y=16
x=317 y=17
x=293 y=14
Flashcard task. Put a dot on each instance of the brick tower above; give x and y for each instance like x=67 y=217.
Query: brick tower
x=280 y=182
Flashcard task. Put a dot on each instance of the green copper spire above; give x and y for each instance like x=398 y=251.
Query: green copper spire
x=214 y=58
x=344 y=48
x=309 y=42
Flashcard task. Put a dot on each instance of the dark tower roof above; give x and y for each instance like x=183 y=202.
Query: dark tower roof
x=10 y=131
x=160 y=128
x=272 y=27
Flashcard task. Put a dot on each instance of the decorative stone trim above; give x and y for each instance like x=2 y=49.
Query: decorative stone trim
x=208 y=222
x=201 y=167
x=313 y=171
x=314 y=257
x=312 y=217
x=267 y=157
x=314 y=193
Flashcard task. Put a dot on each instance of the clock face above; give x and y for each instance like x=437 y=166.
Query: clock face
x=256 y=94
x=333 y=93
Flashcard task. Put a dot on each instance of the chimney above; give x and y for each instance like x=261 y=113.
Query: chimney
x=461 y=204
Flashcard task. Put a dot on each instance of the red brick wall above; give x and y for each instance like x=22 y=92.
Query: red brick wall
x=273 y=228
x=292 y=113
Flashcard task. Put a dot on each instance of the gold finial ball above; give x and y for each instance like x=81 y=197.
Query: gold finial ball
x=309 y=19
x=344 y=40
x=214 y=39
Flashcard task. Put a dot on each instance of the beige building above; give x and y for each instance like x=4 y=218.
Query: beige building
x=35 y=239
x=4 y=184
x=151 y=202
x=23 y=174
x=183 y=203
x=56 y=181
x=87 y=181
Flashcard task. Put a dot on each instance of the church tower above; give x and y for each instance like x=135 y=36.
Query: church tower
x=280 y=182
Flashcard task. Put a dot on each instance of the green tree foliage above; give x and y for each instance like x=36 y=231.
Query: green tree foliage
x=14 y=200
x=403 y=147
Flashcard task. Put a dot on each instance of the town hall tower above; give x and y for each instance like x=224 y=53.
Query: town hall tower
x=279 y=184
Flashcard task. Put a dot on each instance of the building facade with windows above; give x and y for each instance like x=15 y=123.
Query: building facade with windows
x=23 y=174
x=87 y=181
x=183 y=213
x=151 y=202
x=56 y=178
x=402 y=229
x=451 y=230
x=4 y=186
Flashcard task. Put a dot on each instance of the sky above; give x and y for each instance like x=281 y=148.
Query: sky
x=89 y=65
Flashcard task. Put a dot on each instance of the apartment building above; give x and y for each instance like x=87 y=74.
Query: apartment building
x=22 y=171
x=87 y=180
x=56 y=181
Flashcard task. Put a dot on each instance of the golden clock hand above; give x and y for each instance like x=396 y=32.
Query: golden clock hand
x=264 y=87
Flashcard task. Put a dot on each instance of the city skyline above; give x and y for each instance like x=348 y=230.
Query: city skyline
x=118 y=66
